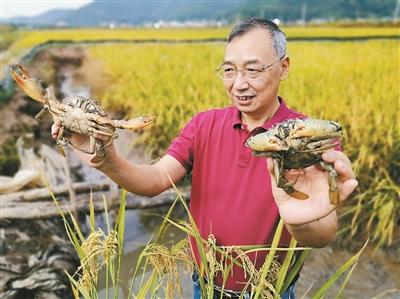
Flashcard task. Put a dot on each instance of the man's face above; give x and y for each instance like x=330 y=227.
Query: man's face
x=254 y=49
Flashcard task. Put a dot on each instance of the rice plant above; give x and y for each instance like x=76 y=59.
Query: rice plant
x=104 y=251
x=270 y=281
x=98 y=251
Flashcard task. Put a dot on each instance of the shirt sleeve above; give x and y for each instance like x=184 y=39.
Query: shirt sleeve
x=182 y=147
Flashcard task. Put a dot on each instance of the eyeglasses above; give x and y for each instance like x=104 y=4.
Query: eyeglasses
x=228 y=72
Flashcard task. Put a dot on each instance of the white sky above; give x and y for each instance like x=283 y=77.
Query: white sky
x=13 y=8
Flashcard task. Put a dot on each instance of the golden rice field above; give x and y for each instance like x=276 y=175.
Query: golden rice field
x=26 y=39
x=354 y=83
x=32 y=38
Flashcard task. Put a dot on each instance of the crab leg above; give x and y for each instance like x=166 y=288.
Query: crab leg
x=101 y=131
x=100 y=153
x=283 y=183
x=333 y=187
x=135 y=123
x=111 y=134
x=39 y=115
x=59 y=139
x=92 y=146
x=318 y=148
x=312 y=143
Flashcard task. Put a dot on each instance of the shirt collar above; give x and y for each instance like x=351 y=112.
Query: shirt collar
x=277 y=117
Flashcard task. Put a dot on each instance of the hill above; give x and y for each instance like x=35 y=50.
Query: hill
x=136 y=13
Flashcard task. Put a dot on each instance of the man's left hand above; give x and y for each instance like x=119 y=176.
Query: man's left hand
x=313 y=181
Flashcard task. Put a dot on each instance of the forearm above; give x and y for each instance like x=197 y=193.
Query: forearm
x=145 y=180
x=317 y=233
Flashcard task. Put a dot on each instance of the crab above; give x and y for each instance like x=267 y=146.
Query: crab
x=77 y=114
x=297 y=144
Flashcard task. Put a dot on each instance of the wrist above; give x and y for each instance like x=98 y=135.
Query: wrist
x=317 y=233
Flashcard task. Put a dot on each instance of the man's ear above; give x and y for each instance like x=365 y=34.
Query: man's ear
x=285 y=67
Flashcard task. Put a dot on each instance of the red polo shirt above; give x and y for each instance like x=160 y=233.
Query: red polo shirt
x=231 y=195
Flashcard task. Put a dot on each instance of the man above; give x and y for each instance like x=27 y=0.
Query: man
x=233 y=196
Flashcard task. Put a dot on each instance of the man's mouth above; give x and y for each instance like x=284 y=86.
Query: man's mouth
x=244 y=98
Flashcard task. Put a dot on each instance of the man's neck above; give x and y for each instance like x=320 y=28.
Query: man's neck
x=253 y=121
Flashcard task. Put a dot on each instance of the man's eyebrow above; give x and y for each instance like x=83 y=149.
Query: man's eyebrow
x=251 y=61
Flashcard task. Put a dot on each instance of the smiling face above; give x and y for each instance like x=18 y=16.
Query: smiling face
x=255 y=98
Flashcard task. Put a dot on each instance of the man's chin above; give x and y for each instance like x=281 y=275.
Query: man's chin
x=244 y=108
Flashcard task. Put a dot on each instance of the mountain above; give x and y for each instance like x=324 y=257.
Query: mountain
x=134 y=12
x=50 y=17
x=306 y=10
x=101 y=12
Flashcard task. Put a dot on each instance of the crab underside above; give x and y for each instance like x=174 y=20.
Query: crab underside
x=297 y=144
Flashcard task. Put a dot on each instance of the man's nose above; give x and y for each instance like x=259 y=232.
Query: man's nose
x=240 y=81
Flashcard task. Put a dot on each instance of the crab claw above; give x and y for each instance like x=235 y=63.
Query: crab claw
x=263 y=142
x=315 y=128
x=30 y=85
x=134 y=123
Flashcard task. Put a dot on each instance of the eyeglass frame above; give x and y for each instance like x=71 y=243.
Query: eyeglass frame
x=263 y=69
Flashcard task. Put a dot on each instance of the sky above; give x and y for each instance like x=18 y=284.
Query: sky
x=13 y=8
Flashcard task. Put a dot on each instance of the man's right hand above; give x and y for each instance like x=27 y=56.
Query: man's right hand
x=82 y=141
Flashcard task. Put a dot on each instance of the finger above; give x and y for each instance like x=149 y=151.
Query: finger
x=344 y=170
x=55 y=128
x=347 y=188
x=330 y=156
x=102 y=137
x=341 y=163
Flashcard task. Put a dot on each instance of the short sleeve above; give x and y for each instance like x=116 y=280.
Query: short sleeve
x=182 y=147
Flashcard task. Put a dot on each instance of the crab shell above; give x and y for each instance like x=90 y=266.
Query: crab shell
x=287 y=134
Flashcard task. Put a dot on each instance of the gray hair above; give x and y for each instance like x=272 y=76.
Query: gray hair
x=277 y=35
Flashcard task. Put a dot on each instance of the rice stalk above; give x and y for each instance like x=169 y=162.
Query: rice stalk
x=165 y=263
